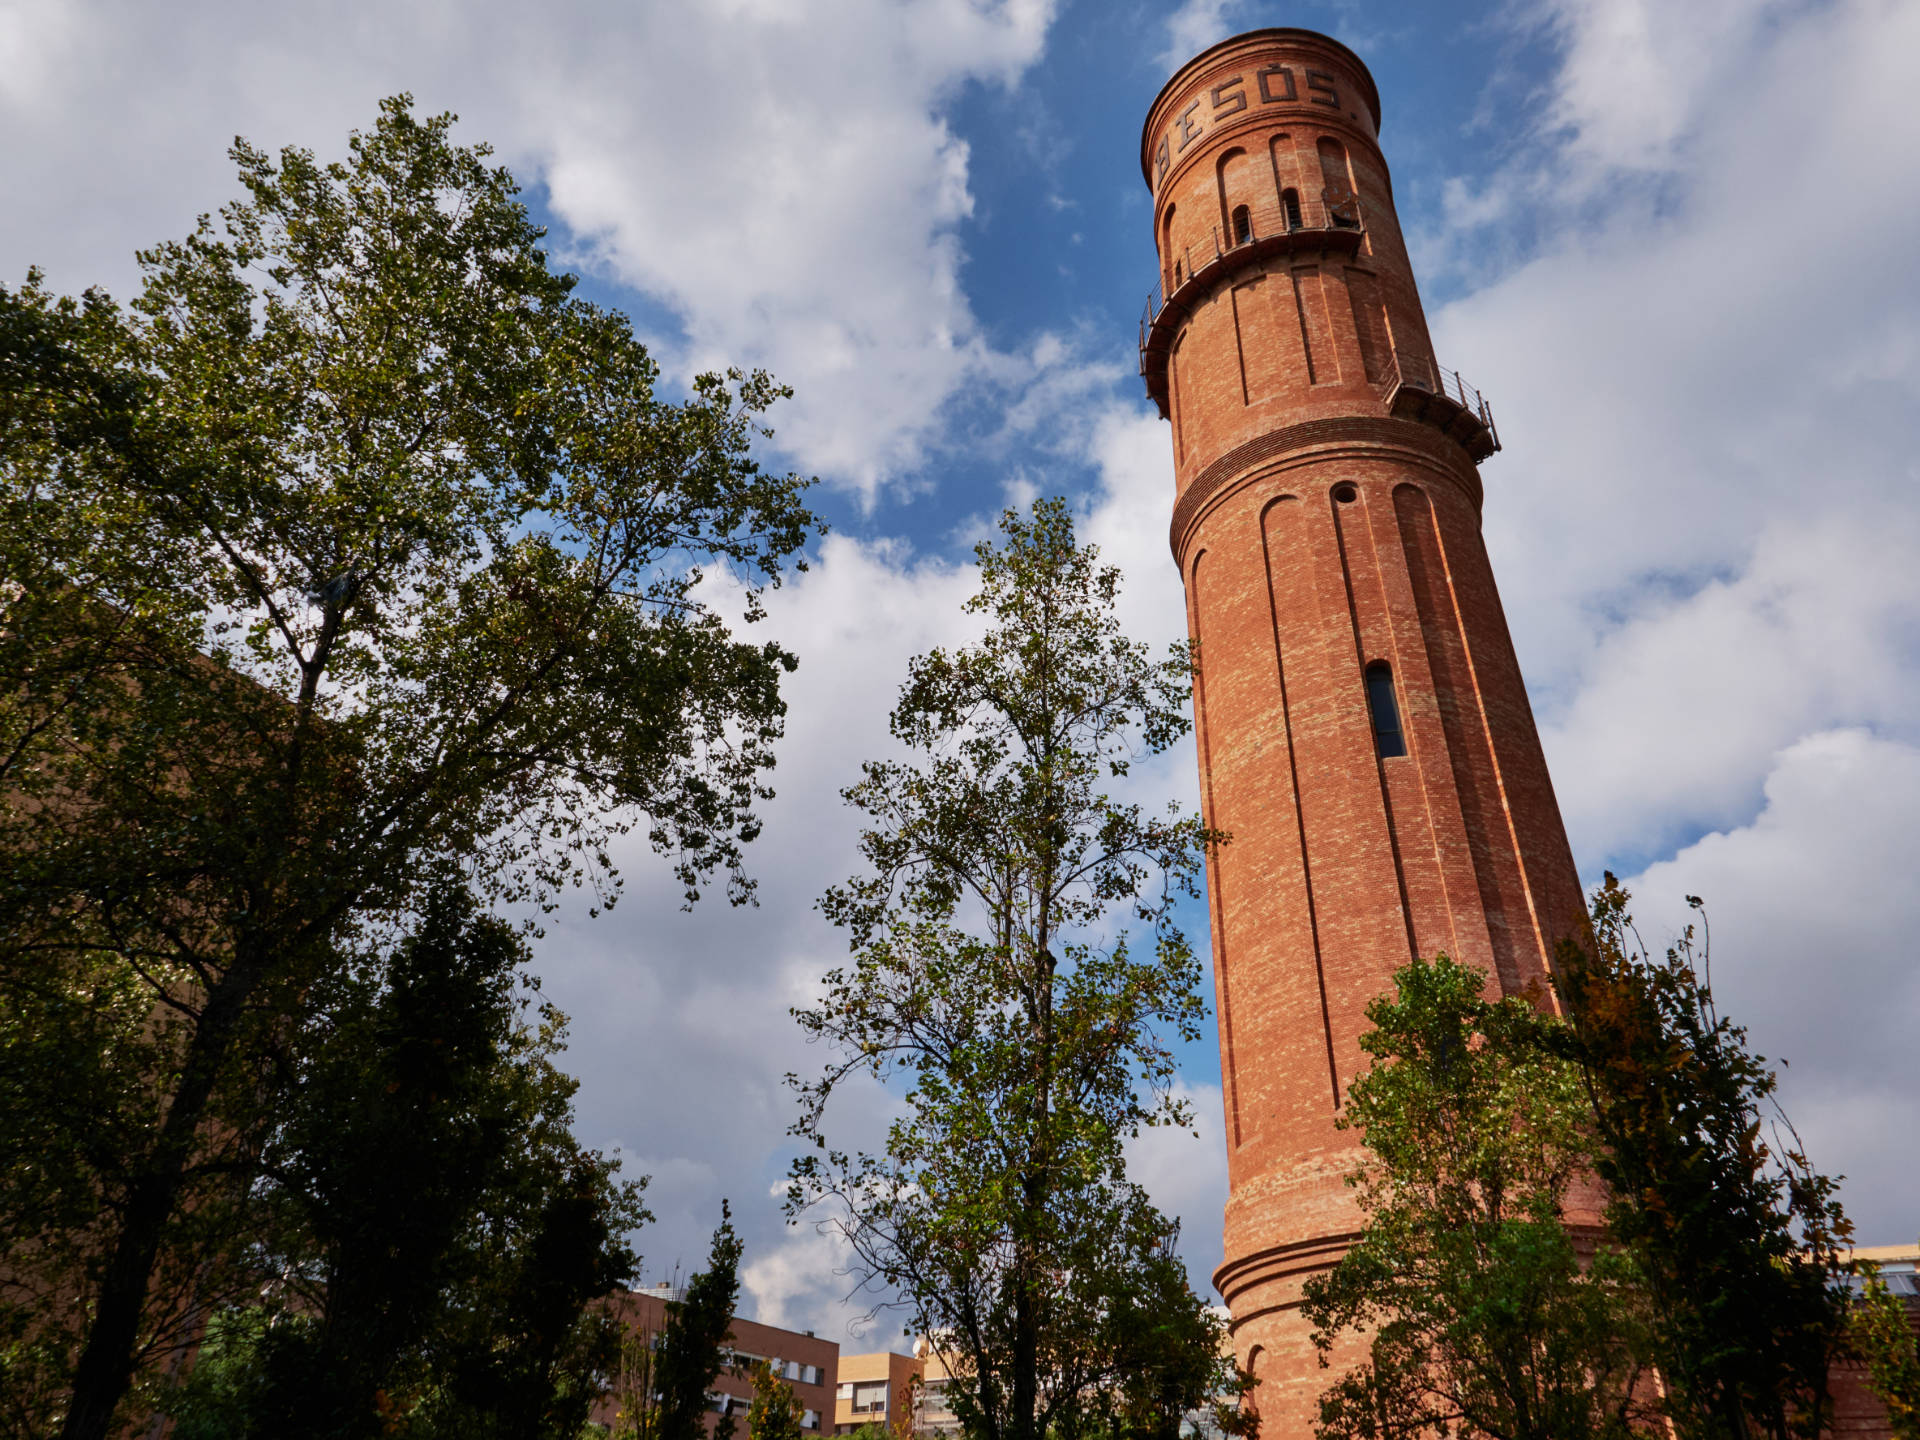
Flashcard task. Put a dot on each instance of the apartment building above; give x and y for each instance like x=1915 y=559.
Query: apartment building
x=806 y=1362
x=905 y=1393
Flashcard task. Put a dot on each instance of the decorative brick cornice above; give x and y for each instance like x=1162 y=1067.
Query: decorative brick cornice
x=1319 y=440
x=1280 y=1270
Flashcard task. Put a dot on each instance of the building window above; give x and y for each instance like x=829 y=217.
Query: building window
x=1290 y=201
x=810 y=1420
x=844 y=1390
x=1385 y=709
x=1242 y=225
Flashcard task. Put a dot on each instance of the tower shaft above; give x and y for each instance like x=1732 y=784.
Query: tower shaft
x=1364 y=733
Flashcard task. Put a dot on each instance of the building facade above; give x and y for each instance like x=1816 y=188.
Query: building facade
x=1364 y=733
x=876 y=1389
x=904 y=1394
x=806 y=1362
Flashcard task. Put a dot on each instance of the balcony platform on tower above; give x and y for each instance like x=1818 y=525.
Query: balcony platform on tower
x=1437 y=396
x=1416 y=390
x=1332 y=224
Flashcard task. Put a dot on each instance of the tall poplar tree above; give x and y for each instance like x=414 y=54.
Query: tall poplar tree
x=995 y=982
x=355 y=557
x=664 y=1375
x=691 y=1351
x=1739 y=1241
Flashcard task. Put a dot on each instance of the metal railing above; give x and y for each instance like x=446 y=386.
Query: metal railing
x=1331 y=210
x=1433 y=378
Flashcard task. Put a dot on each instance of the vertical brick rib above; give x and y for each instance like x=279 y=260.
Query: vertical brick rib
x=1447 y=910
x=1456 y=694
x=1293 y=782
x=1223 y=999
x=1535 y=845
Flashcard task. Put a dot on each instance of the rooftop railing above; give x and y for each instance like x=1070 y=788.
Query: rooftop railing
x=1305 y=219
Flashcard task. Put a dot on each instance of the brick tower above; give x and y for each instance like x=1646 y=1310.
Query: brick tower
x=1363 y=730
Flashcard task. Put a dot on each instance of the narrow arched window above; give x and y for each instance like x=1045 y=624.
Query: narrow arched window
x=1242 y=225
x=1290 y=202
x=1384 y=707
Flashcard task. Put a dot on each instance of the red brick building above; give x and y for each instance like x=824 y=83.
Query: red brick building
x=807 y=1363
x=1363 y=730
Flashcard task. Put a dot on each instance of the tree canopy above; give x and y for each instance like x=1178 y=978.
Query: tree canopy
x=994 y=980
x=1484 y=1317
x=1738 y=1240
x=354 y=557
x=1711 y=1302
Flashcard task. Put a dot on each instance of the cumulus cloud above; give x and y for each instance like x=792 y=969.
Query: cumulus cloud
x=1680 y=709
x=1707 y=494
x=780 y=179
x=1636 y=74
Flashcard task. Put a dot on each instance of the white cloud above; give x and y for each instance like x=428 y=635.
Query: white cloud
x=1814 y=914
x=806 y=1276
x=779 y=177
x=1198 y=24
x=1638 y=73
x=1185 y=1171
x=1680 y=708
x=1704 y=512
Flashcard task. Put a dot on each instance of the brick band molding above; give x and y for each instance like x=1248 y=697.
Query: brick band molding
x=1276 y=1267
x=1376 y=434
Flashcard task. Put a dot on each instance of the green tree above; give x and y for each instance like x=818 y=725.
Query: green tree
x=775 y=1412
x=434 y=1239
x=1484 y=1321
x=356 y=555
x=1879 y=1332
x=1158 y=1353
x=664 y=1394
x=990 y=982
x=1738 y=1241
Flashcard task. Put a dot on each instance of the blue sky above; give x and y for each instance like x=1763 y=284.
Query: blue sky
x=1673 y=244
